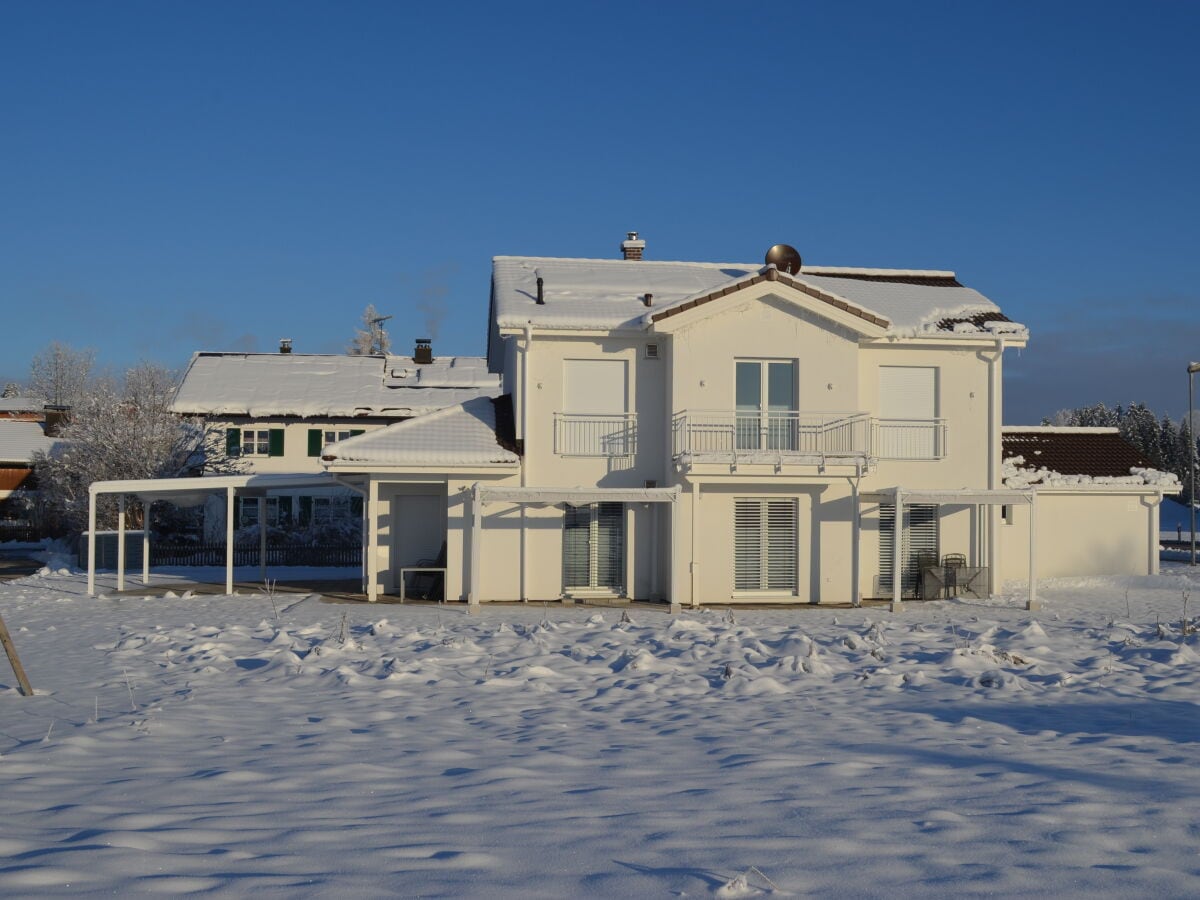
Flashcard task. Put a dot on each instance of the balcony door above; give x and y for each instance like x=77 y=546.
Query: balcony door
x=594 y=548
x=766 y=404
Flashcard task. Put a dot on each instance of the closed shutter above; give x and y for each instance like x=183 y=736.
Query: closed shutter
x=355 y=432
x=907 y=410
x=233 y=442
x=765 y=545
x=921 y=525
x=608 y=546
x=316 y=440
x=576 y=546
x=275 y=442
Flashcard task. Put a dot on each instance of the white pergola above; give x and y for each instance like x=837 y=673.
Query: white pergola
x=191 y=492
x=965 y=497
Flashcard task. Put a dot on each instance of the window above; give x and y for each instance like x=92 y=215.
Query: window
x=765 y=545
x=279 y=511
x=594 y=547
x=765 y=394
x=921 y=541
x=256 y=442
x=332 y=437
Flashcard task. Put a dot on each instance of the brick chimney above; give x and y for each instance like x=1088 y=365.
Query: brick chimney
x=631 y=247
x=56 y=417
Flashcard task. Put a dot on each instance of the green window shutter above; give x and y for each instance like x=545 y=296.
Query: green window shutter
x=233 y=442
x=305 y=510
x=354 y=432
x=275 y=442
x=316 y=440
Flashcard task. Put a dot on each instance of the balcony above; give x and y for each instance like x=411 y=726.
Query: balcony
x=796 y=438
x=595 y=435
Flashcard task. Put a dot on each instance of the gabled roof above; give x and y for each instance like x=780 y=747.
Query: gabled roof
x=19 y=440
x=470 y=434
x=21 y=404
x=608 y=294
x=315 y=385
x=1094 y=452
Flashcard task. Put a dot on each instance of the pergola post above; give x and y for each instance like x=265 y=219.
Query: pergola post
x=672 y=586
x=146 y=541
x=91 y=583
x=473 y=592
x=855 y=545
x=372 y=560
x=121 y=542
x=1033 y=603
x=897 y=554
x=229 y=494
x=262 y=538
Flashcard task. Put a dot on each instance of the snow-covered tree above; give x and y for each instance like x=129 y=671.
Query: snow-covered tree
x=371 y=339
x=60 y=374
x=11 y=390
x=118 y=433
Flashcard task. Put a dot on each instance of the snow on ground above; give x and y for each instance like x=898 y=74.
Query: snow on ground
x=226 y=744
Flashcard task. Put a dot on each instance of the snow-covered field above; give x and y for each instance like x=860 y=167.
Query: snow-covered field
x=204 y=744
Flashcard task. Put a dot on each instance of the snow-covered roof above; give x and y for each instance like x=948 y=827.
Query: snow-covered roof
x=314 y=385
x=21 y=404
x=463 y=435
x=1055 y=456
x=19 y=440
x=608 y=294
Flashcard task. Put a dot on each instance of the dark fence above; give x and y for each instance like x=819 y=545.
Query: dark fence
x=22 y=533
x=247 y=555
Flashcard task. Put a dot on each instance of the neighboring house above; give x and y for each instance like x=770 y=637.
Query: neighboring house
x=275 y=412
x=1097 y=501
x=704 y=433
x=20 y=439
x=27 y=409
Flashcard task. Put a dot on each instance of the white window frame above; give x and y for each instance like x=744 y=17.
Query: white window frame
x=256 y=442
x=332 y=437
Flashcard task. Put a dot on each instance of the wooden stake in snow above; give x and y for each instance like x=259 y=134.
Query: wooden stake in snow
x=14 y=660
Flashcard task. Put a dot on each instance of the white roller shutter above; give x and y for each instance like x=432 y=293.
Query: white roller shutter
x=921 y=527
x=765 y=545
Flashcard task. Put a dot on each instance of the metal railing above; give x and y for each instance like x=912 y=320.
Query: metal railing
x=909 y=438
x=722 y=432
x=595 y=435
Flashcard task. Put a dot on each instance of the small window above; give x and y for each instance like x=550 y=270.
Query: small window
x=332 y=437
x=256 y=442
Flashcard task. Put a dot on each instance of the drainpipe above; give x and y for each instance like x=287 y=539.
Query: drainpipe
x=994 y=421
x=524 y=561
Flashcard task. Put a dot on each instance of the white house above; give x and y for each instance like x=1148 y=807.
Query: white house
x=705 y=433
x=696 y=433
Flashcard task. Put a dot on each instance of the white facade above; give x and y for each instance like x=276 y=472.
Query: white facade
x=775 y=417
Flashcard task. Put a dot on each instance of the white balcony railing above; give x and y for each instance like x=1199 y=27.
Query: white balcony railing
x=909 y=438
x=724 y=433
x=595 y=435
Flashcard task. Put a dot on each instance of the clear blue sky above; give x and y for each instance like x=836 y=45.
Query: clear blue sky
x=182 y=176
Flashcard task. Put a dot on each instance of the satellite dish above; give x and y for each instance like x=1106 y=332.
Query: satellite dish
x=785 y=258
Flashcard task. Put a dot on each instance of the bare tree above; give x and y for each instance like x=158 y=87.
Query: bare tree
x=60 y=374
x=371 y=339
x=119 y=433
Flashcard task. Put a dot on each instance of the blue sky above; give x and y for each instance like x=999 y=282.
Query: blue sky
x=183 y=176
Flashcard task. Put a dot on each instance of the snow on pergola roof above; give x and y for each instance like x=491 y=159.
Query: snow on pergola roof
x=607 y=294
x=315 y=385
x=470 y=434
